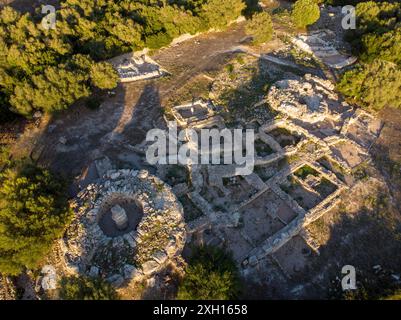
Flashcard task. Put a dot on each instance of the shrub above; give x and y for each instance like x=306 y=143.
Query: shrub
x=378 y=33
x=218 y=13
x=260 y=27
x=84 y=288
x=305 y=12
x=376 y=85
x=396 y=295
x=36 y=72
x=55 y=89
x=93 y=102
x=211 y=274
x=103 y=76
x=33 y=213
x=159 y=40
x=385 y=47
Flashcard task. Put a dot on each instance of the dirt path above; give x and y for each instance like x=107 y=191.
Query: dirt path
x=74 y=138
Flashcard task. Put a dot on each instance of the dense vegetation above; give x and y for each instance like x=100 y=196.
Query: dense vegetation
x=50 y=69
x=376 y=82
x=84 y=288
x=33 y=213
x=305 y=12
x=371 y=286
x=350 y=2
x=375 y=85
x=211 y=274
x=378 y=32
x=260 y=26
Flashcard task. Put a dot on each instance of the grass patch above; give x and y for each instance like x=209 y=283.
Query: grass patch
x=304 y=171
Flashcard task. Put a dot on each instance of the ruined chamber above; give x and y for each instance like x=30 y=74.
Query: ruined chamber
x=128 y=225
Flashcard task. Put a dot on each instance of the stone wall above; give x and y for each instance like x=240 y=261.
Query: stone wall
x=159 y=236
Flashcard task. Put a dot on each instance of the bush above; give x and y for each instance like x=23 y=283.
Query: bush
x=376 y=85
x=93 y=102
x=33 y=213
x=36 y=72
x=396 y=295
x=385 y=47
x=260 y=27
x=84 y=288
x=218 y=13
x=103 y=76
x=158 y=40
x=211 y=274
x=305 y=12
x=378 y=33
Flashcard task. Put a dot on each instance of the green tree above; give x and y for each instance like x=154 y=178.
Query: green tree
x=305 y=12
x=396 y=295
x=378 y=35
x=84 y=288
x=218 y=13
x=39 y=69
x=103 y=75
x=376 y=85
x=55 y=89
x=260 y=27
x=33 y=213
x=211 y=274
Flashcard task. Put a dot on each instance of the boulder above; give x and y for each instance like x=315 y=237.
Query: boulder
x=94 y=272
x=119 y=217
x=253 y=260
x=116 y=280
x=103 y=165
x=160 y=256
x=130 y=272
x=149 y=267
x=49 y=280
x=62 y=140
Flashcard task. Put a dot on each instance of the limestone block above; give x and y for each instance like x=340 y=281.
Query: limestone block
x=149 y=267
x=102 y=166
x=130 y=272
x=49 y=280
x=160 y=256
x=119 y=217
x=116 y=280
x=94 y=272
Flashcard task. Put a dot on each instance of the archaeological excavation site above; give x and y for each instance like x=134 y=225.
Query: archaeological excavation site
x=178 y=151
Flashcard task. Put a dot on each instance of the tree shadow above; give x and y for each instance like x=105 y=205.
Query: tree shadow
x=369 y=241
x=386 y=151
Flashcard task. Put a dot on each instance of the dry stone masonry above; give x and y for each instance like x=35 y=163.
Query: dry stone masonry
x=104 y=239
x=256 y=215
x=137 y=67
x=319 y=43
x=308 y=99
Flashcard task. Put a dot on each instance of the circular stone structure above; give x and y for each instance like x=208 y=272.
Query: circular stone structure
x=309 y=99
x=127 y=226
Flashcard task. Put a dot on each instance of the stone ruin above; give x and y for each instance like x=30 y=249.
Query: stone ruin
x=325 y=39
x=309 y=99
x=302 y=155
x=197 y=114
x=128 y=226
x=137 y=68
x=320 y=44
x=119 y=217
